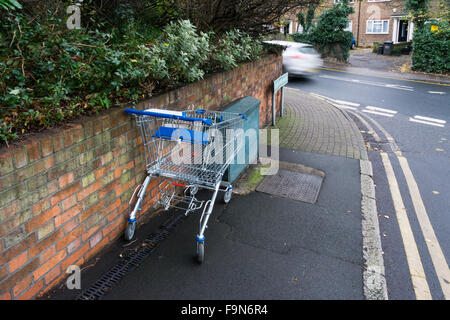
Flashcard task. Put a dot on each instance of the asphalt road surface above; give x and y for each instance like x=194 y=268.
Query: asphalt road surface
x=406 y=125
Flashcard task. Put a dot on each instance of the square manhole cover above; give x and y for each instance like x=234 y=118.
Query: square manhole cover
x=292 y=185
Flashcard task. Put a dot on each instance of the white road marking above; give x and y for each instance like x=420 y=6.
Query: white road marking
x=346 y=103
x=318 y=96
x=337 y=103
x=436 y=92
x=372 y=83
x=335 y=78
x=381 y=109
x=426 y=122
x=379 y=113
x=431 y=119
x=418 y=278
x=396 y=86
x=344 y=107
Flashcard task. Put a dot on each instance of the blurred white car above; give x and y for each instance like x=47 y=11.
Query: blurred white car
x=299 y=58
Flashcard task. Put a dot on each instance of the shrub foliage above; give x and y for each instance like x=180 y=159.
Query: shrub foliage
x=431 y=41
x=50 y=74
x=10 y=5
x=431 y=48
x=328 y=36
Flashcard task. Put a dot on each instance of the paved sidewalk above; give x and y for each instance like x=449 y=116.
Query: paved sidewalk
x=260 y=246
x=313 y=125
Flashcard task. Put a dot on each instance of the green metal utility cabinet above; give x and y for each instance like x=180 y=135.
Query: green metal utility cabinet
x=250 y=107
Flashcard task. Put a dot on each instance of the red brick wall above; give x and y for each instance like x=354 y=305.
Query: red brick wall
x=64 y=193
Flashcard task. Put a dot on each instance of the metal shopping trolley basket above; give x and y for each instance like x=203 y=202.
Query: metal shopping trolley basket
x=190 y=149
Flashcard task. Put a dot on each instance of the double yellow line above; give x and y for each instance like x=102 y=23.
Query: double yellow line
x=418 y=277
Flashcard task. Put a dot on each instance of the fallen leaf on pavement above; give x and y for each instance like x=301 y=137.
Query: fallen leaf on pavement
x=435 y=192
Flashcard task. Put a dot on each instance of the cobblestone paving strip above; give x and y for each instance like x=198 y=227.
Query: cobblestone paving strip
x=313 y=125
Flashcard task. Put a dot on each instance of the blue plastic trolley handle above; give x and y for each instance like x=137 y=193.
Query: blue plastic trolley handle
x=167 y=116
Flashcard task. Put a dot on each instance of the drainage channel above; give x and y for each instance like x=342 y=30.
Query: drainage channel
x=115 y=274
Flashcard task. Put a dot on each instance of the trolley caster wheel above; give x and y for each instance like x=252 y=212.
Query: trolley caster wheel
x=226 y=196
x=200 y=252
x=129 y=231
x=193 y=190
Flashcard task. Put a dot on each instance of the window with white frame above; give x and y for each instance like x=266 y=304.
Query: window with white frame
x=377 y=26
x=349 y=26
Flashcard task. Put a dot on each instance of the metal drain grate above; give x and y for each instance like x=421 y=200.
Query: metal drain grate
x=292 y=185
x=128 y=263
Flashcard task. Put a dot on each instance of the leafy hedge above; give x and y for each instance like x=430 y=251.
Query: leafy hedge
x=328 y=35
x=431 y=48
x=10 y=5
x=49 y=74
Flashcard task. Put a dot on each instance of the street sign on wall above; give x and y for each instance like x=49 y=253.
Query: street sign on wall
x=280 y=82
x=277 y=84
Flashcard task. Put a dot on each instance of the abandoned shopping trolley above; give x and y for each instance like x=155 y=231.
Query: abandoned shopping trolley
x=189 y=149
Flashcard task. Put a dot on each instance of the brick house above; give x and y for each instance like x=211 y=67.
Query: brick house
x=379 y=21
x=372 y=21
